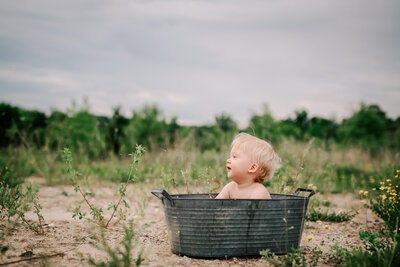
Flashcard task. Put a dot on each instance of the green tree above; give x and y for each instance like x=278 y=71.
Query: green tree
x=265 y=127
x=207 y=137
x=225 y=123
x=367 y=128
x=9 y=117
x=147 y=127
x=289 y=128
x=322 y=128
x=84 y=135
x=56 y=133
x=33 y=127
x=173 y=131
x=394 y=132
x=302 y=122
x=115 y=130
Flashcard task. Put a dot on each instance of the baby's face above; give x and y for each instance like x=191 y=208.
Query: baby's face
x=238 y=164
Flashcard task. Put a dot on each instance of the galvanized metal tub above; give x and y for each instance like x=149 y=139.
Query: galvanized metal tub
x=204 y=227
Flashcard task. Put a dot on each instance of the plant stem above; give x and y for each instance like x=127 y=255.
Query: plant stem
x=33 y=258
x=120 y=197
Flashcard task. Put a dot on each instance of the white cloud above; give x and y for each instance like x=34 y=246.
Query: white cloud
x=42 y=77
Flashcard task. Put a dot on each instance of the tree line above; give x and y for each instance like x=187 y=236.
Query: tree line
x=97 y=136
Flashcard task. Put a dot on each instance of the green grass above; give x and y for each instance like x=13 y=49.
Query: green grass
x=314 y=215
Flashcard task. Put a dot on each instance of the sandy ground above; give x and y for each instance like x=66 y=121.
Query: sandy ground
x=69 y=240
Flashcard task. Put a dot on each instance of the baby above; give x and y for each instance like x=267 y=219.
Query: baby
x=251 y=161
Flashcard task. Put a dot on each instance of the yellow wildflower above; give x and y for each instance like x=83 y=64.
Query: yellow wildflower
x=358 y=211
x=363 y=201
x=383 y=197
x=327 y=227
x=314 y=188
x=365 y=193
x=309 y=238
x=361 y=192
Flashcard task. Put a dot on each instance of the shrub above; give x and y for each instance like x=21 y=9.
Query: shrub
x=387 y=203
x=16 y=201
x=376 y=250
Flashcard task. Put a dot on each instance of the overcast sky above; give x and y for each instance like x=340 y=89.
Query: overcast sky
x=198 y=59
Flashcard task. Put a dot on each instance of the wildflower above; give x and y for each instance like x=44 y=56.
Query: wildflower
x=365 y=193
x=383 y=197
x=314 y=188
x=309 y=238
x=363 y=201
x=327 y=227
x=373 y=189
x=361 y=192
x=388 y=180
x=358 y=211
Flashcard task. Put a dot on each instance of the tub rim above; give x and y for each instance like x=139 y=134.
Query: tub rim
x=164 y=195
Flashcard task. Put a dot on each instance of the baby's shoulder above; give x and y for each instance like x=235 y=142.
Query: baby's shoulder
x=260 y=191
x=230 y=185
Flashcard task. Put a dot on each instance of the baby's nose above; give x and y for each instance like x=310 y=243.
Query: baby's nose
x=228 y=161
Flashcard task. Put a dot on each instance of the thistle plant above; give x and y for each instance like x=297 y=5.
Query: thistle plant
x=97 y=213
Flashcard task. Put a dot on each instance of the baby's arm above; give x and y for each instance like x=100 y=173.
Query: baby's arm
x=225 y=192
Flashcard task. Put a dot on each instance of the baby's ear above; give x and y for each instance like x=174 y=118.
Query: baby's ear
x=253 y=168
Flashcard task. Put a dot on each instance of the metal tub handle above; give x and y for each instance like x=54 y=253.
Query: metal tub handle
x=162 y=194
x=298 y=190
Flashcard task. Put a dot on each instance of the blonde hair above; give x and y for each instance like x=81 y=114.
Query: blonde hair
x=261 y=152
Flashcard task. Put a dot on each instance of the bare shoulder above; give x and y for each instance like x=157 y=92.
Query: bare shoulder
x=260 y=192
x=226 y=191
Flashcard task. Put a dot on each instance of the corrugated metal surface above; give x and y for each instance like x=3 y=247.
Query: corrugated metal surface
x=200 y=226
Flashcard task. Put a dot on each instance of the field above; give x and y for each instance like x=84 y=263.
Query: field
x=339 y=229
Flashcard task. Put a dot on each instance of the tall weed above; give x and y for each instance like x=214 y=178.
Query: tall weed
x=96 y=212
x=120 y=256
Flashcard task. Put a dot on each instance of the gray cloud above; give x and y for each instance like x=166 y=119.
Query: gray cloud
x=196 y=59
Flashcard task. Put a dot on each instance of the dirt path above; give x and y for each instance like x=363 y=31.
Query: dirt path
x=71 y=238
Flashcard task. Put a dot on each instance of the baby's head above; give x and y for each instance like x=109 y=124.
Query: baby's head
x=261 y=153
